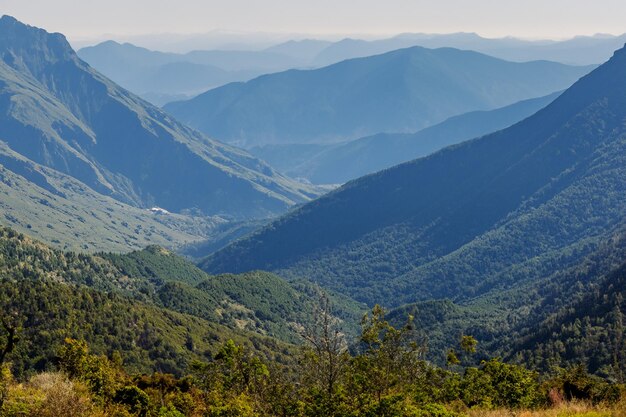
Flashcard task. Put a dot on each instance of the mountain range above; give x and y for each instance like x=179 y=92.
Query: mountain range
x=311 y=51
x=489 y=214
x=161 y=77
x=516 y=237
x=580 y=50
x=400 y=91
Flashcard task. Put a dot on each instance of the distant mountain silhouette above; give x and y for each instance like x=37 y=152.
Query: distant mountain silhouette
x=151 y=75
x=161 y=77
x=401 y=91
x=581 y=50
x=336 y=164
x=304 y=50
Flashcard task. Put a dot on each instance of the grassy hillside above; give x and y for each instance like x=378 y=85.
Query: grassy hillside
x=63 y=212
x=58 y=112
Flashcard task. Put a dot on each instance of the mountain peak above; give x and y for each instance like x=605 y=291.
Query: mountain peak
x=6 y=19
x=29 y=48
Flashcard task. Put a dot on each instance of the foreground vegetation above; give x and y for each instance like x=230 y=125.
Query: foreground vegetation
x=155 y=309
x=149 y=334
x=384 y=374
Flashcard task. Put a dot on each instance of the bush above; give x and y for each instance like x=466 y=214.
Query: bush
x=50 y=395
x=497 y=384
x=134 y=398
x=575 y=383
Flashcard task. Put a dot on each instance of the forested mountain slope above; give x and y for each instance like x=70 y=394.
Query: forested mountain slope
x=535 y=322
x=157 y=309
x=511 y=207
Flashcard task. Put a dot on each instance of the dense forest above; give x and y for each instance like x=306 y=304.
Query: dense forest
x=154 y=308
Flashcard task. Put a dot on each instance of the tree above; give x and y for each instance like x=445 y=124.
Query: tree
x=234 y=382
x=11 y=328
x=326 y=356
x=390 y=363
x=100 y=374
x=468 y=344
x=497 y=384
x=468 y=347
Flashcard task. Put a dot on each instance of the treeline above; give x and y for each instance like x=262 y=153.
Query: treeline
x=384 y=374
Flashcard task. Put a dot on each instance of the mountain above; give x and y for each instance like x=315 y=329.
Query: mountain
x=154 y=308
x=580 y=50
x=487 y=215
x=159 y=76
x=59 y=113
x=66 y=213
x=401 y=91
x=336 y=164
x=538 y=322
x=304 y=50
x=162 y=77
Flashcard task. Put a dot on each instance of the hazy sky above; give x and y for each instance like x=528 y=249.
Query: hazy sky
x=80 y=19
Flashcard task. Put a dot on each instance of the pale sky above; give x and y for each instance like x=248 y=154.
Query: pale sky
x=93 y=19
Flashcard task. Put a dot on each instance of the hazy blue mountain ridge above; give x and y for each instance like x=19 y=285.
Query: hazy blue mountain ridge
x=337 y=164
x=401 y=91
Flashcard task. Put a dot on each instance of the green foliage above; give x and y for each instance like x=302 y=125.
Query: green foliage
x=587 y=327
x=5 y=380
x=497 y=384
x=156 y=265
x=390 y=359
x=575 y=383
x=135 y=399
x=468 y=344
x=386 y=377
x=97 y=372
x=142 y=306
x=452 y=358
